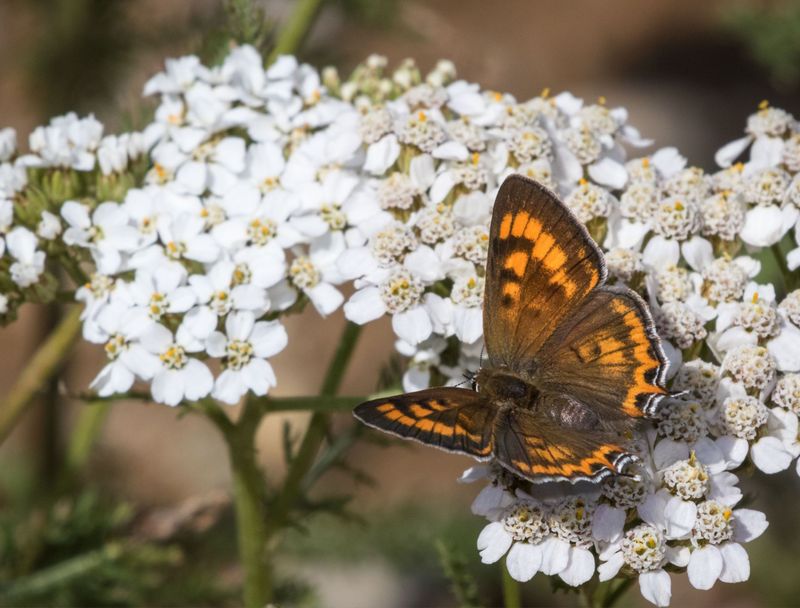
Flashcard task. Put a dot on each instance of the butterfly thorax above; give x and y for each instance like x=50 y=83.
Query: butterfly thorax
x=506 y=388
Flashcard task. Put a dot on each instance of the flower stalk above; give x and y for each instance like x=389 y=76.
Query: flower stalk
x=47 y=360
x=511 y=592
x=294 y=32
x=315 y=432
x=249 y=491
x=84 y=435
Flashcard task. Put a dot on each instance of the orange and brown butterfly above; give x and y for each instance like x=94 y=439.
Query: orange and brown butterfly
x=572 y=363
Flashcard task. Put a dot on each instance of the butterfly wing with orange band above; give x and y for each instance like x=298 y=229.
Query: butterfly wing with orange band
x=538 y=445
x=452 y=419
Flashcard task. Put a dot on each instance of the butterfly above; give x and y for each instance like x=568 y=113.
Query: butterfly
x=572 y=363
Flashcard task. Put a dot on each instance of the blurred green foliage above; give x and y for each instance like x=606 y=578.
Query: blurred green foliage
x=771 y=33
x=83 y=548
x=430 y=548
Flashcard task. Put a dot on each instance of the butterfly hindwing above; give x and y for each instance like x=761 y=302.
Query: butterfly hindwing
x=453 y=419
x=541 y=447
x=541 y=265
x=608 y=355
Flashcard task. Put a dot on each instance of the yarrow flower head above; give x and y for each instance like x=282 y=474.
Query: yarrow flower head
x=262 y=189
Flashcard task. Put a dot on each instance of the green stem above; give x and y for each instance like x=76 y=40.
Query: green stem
x=48 y=580
x=315 y=432
x=249 y=492
x=295 y=30
x=74 y=270
x=323 y=403
x=616 y=593
x=780 y=260
x=45 y=363
x=693 y=351
x=791 y=279
x=61 y=572
x=84 y=435
x=313 y=403
x=512 y=597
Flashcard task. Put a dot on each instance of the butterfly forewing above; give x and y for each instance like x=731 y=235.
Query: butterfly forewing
x=608 y=355
x=541 y=265
x=453 y=419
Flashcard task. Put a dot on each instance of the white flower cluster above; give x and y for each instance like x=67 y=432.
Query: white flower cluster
x=256 y=190
x=680 y=510
x=694 y=245
x=435 y=156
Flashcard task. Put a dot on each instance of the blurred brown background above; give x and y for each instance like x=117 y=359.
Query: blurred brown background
x=687 y=76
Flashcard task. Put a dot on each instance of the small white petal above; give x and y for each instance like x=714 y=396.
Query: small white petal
x=652 y=510
x=705 y=566
x=766 y=152
x=381 y=155
x=523 y=561
x=239 y=324
x=199 y=380
x=451 y=150
x=229 y=387
x=473 y=474
x=493 y=542
x=356 y=262
x=748 y=525
x=668 y=161
x=413 y=325
x=608 y=523
x=609 y=569
x=678 y=556
x=770 y=455
x=722 y=454
x=763 y=226
x=656 y=587
x=491 y=501
x=680 y=516
x=735 y=563
x=216 y=344
x=724 y=488
x=259 y=376
x=568 y=103
x=416 y=378
x=425 y=264
x=441 y=187
x=113 y=378
x=268 y=338
x=168 y=387
x=668 y=451
x=608 y=172
x=698 y=252
x=555 y=555
x=364 y=306
x=731 y=151
x=325 y=298
x=468 y=324
x=793 y=259
x=580 y=567
x=735 y=336
x=660 y=252
x=734 y=450
x=785 y=348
